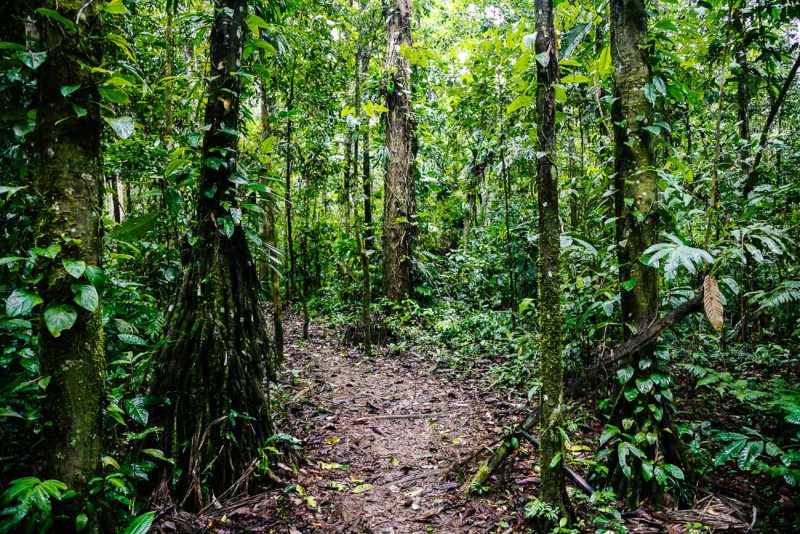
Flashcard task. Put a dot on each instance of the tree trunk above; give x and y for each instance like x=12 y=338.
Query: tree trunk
x=287 y=195
x=271 y=270
x=551 y=345
x=69 y=182
x=398 y=198
x=366 y=178
x=169 y=61
x=636 y=230
x=751 y=181
x=211 y=373
x=348 y=155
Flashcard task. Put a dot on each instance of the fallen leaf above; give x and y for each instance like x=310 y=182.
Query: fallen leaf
x=361 y=488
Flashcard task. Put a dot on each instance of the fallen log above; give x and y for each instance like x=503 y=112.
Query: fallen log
x=607 y=358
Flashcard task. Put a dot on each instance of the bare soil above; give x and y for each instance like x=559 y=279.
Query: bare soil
x=385 y=439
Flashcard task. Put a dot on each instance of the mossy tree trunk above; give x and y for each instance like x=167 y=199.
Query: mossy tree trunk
x=642 y=409
x=551 y=345
x=398 y=196
x=69 y=184
x=212 y=371
x=271 y=271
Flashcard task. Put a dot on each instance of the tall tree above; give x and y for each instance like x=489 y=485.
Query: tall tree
x=551 y=344
x=635 y=198
x=212 y=370
x=398 y=196
x=69 y=182
x=271 y=236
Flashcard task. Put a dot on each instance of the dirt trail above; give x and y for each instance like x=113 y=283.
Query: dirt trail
x=375 y=464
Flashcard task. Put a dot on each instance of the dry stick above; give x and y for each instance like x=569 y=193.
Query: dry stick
x=762 y=142
x=403 y=416
x=571 y=473
x=608 y=357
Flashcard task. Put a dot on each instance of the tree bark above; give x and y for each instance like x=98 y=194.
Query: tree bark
x=636 y=230
x=287 y=195
x=398 y=199
x=551 y=463
x=211 y=373
x=272 y=241
x=366 y=176
x=69 y=184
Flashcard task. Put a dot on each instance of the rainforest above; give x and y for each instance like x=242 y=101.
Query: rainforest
x=479 y=266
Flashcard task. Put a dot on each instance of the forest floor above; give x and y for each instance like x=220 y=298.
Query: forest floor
x=388 y=445
x=385 y=439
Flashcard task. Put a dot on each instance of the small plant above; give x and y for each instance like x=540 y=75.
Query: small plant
x=29 y=505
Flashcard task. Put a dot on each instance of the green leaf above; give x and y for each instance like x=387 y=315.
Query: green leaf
x=575 y=78
x=122 y=126
x=135 y=408
x=631 y=394
x=134 y=227
x=75 y=268
x=131 y=339
x=650 y=92
x=644 y=385
x=59 y=317
x=519 y=102
x=622 y=456
x=80 y=522
x=227 y=226
x=67 y=90
x=625 y=374
x=142 y=524
x=21 y=302
x=55 y=16
x=49 y=252
x=122 y=43
x=608 y=433
x=11 y=259
x=86 y=297
x=749 y=454
x=729 y=451
x=674 y=471
x=115 y=7
x=157 y=454
x=629 y=284
x=8 y=412
x=96 y=276
x=115 y=95
x=361 y=488
x=32 y=60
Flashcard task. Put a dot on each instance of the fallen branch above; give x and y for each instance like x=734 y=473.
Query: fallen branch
x=571 y=473
x=608 y=357
x=403 y=416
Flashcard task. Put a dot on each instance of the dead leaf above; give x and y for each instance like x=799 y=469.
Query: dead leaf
x=712 y=302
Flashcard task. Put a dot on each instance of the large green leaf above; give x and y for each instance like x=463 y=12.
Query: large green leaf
x=75 y=268
x=59 y=317
x=86 y=297
x=122 y=126
x=519 y=102
x=135 y=408
x=142 y=524
x=21 y=302
x=134 y=227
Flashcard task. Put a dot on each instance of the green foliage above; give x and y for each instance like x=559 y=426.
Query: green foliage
x=28 y=504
